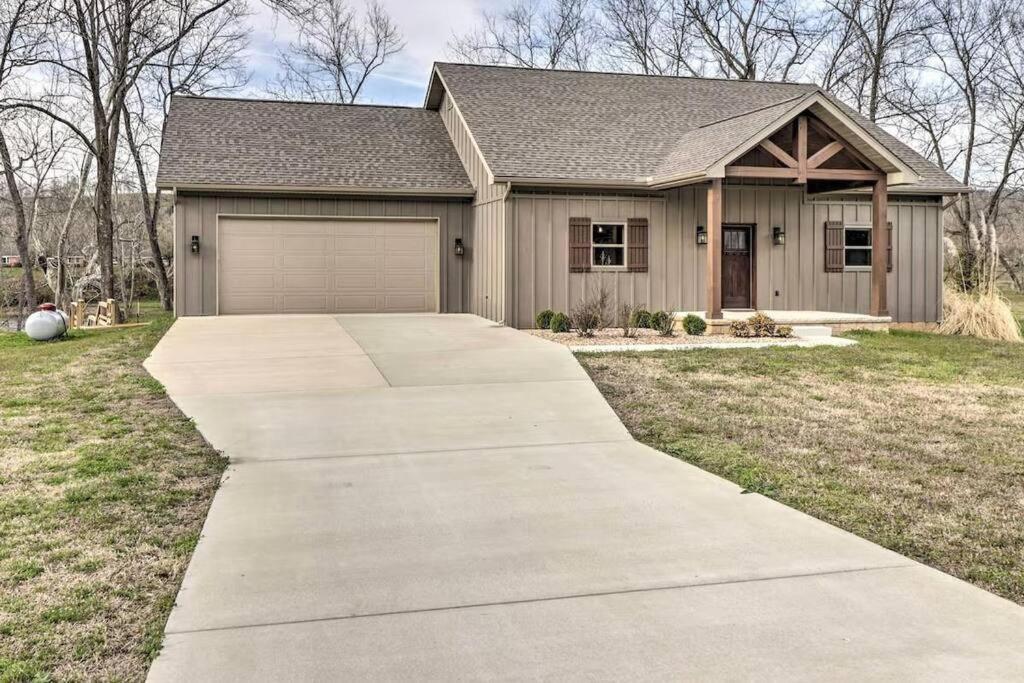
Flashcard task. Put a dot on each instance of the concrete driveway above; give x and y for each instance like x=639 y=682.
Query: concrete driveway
x=436 y=497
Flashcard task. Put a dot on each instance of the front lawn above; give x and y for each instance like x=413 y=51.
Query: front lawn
x=914 y=441
x=104 y=487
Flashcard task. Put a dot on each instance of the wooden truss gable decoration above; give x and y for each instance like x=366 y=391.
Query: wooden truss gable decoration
x=817 y=153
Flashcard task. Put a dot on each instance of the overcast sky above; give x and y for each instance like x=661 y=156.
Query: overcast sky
x=426 y=25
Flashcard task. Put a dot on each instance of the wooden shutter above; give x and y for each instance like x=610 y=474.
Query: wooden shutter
x=637 y=243
x=835 y=259
x=888 y=253
x=579 y=245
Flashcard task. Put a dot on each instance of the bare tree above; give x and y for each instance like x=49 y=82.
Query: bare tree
x=209 y=60
x=871 y=47
x=101 y=49
x=637 y=33
x=562 y=35
x=337 y=50
x=749 y=39
x=22 y=23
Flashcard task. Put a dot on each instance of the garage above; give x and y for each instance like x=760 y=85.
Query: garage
x=334 y=265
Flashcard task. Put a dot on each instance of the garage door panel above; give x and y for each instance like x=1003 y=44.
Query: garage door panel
x=299 y=280
x=327 y=266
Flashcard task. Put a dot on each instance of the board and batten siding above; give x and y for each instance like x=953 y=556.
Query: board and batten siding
x=195 y=276
x=487 y=250
x=789 y=277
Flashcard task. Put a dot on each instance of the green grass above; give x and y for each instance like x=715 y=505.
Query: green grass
x=1016 y=300
x=911 y=440
x=104 y=486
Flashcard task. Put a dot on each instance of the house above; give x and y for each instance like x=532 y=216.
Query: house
x=11 y=261
x=514 y=190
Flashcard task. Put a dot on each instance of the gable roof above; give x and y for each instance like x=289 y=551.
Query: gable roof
x=275 y=145
x=638 y=130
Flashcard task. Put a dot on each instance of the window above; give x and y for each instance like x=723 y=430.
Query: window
x=857 y=247
x=608 y=240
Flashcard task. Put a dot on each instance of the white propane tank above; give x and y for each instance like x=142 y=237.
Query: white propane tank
x=46 y=325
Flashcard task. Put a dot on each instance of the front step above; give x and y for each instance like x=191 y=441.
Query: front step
x=809 y=331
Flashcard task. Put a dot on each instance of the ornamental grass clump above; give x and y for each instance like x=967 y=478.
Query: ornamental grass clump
x=984 y=314
x=971 y=301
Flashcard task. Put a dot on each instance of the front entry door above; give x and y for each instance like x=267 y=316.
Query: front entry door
x=737 y=253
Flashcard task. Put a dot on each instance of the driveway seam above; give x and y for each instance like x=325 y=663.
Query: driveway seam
x=429 y=451
x=552 y=598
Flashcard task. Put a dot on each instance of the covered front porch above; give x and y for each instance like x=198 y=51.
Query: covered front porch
x=810 y=154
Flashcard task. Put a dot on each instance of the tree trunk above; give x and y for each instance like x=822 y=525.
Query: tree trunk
x=151 y=215
x=105 y=223
x=21 y=238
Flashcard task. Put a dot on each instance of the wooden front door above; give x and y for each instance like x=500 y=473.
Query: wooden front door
x=737 y=261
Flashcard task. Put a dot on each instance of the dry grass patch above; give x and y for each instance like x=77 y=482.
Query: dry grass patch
x=104 y=486
x=913 y=441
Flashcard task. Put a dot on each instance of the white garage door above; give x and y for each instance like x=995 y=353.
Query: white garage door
x=294 y=265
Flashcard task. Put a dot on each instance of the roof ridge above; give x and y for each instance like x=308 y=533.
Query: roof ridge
x=722 y=79
x=754 y=110
x=268 y=100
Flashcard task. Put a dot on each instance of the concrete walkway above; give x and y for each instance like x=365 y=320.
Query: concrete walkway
x=439 y=498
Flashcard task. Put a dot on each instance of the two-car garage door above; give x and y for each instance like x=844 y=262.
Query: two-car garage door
x=299 y=265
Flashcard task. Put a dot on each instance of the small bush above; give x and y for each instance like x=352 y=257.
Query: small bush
x=641 y=319
x=543 y=319
x=741 y=328
x=627 y=319
x=694 y=325
x=762 y=325
x=559 y=323
x=591 y=314
x=784 y=331
x=662 y=323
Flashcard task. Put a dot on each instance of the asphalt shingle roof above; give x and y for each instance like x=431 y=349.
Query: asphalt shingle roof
x=573 y=125
x=259 y=143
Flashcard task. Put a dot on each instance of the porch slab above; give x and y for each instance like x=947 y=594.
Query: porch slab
x=839 y=321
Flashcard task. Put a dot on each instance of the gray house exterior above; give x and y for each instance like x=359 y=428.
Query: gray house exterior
x=515 y=190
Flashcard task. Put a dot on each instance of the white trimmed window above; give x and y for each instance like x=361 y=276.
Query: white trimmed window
x=608 y=244
x=857 y=247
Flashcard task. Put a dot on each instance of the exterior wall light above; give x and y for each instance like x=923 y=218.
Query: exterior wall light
x=195 y=244
x=778 y=236
x=702 y=235
x=460 y=249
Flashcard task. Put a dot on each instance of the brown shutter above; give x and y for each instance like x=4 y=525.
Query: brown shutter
x=835 y=259
x=888 y=254
x=637 y=241
x=579 y=245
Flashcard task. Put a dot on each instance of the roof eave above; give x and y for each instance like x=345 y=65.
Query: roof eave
x=315 y=189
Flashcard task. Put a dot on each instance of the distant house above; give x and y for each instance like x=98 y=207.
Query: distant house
x=514 y=190
x=11 y=261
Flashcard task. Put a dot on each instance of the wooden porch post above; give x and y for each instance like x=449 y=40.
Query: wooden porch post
x=713 y=285
x=879 y=247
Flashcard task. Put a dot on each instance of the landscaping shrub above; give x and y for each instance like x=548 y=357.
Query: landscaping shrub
x=759 y=325
x=662 y=323
x=591 y=314
x=559 y=323
x=694 y=325
x=741 y=328
x=641 y=319
x=627 y=319
x=762 y=325
x=543 y=319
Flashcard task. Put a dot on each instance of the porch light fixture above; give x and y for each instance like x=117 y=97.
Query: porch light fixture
x=778 y=236
x=195 y=244
x=702 y=235
x=460 y=249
